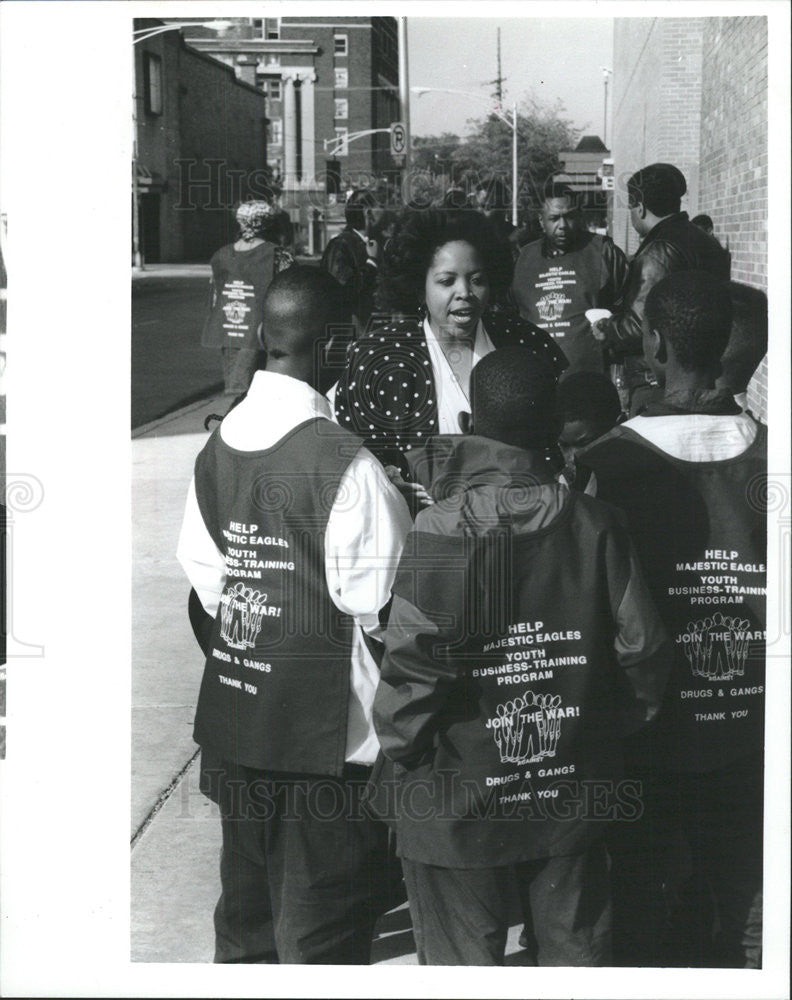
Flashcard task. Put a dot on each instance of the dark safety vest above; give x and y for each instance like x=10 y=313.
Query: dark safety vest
x=239 y=278
x=700 y=531
x=275 y=688
x=555 y=292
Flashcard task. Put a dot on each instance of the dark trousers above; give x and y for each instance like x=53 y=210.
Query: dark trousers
x=461 y=916
x=303 y=868
x=687 y=877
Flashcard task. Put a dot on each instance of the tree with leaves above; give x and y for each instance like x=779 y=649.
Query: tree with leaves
x=486 y=154
x=542 y=133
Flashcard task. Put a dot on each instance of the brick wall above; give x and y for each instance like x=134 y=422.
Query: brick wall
x=693 y=92
x=656 y=106
x=733 y=174
x=220 y=118
x=207 y=115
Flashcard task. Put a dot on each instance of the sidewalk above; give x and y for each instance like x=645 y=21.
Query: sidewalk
x=175 y=830
x=197 y=270
x=172 y=271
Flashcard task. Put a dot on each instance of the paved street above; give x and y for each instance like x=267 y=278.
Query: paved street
x=169 y=366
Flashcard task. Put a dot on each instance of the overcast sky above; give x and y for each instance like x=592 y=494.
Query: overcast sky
x=548 y=58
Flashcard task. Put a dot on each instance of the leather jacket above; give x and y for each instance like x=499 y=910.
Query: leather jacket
x=674 y=244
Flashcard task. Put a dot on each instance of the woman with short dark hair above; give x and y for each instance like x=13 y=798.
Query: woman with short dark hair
x=410 y=379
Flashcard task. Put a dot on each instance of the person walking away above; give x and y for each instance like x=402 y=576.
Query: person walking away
x=241 y=273
x=291 y=537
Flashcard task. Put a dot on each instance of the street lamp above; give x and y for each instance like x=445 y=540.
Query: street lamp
x=143 y=35
x=495 y=110
x=605 y=74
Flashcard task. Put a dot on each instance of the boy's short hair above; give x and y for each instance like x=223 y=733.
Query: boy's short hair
x=693 y=312
x=589 y=396
x=748 y=339
x=703 y=222
x=659 y=187
x=513 y=399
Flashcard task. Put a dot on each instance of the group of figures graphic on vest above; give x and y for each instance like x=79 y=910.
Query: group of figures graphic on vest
x=481 y=589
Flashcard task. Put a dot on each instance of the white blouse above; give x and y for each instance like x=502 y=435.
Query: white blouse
x=452 y=398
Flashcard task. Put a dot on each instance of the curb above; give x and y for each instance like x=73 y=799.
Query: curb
x=196 y=404
x=173 y=271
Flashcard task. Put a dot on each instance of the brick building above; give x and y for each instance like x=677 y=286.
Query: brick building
x=201 y=147
x=325 y=79
x=693 y=92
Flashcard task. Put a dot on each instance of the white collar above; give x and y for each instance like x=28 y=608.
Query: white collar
x=274 y=405
x=451 y=397
x=481 y=342
x=697 y=437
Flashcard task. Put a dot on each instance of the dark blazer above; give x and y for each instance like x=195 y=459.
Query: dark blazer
x=387 y=393
x=346 y=259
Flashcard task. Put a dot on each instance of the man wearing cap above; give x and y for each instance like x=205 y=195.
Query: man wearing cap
x=670 y=242
x=241 y=274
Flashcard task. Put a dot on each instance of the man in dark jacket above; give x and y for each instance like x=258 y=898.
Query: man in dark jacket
x=352 y=256
x=569 y=270
x=521 y=644
x=670 y=242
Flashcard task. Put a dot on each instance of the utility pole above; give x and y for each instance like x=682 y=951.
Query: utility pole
x=499 y=80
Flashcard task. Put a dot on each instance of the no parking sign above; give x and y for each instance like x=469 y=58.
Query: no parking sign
x=398 y=138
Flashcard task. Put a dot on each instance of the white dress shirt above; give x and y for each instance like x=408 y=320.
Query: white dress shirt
x=365 y=533
x=452 y=398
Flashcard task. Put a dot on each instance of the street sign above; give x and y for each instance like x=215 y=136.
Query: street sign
x=398 y=138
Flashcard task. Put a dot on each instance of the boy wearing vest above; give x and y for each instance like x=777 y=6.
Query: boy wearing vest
x=688 y=474
x=521 y=644
x=291 y=536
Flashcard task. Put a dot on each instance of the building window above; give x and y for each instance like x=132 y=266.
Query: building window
x=276 y=131
x=341 y=78
x=274 y=90
x=258 y=26
x=341 y=108
x=341 y=133
x=152 y=83
x=340 y=44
